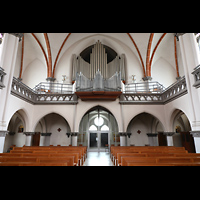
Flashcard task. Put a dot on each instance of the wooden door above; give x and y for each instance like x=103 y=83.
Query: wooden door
x=188 y=142
x=162 y=139
x=36 y=139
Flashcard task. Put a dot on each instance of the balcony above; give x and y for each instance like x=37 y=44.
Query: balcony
x=152 y=92
x=44 y=93
x=135 y=93
x=2 y=74
x=196 y=74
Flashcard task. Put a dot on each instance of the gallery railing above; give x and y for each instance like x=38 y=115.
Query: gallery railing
x=67 y=96
x=196 y=74
x=150 y=96
x=49 y=87
x=24 y=92
x=2 y=74
x=145 y=87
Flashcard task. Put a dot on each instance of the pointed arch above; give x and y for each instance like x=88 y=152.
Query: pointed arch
x=45 y=56
x=49 y=55
x=148 y=73
x=54 y=66
x=159 y=41
x=138 y=53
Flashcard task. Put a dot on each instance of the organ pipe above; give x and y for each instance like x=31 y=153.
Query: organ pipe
x=98 y=62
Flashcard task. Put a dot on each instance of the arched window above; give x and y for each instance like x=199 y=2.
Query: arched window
x=93 y=128
x=104 y=128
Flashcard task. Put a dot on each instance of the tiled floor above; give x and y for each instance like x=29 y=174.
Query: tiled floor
x=98 y=159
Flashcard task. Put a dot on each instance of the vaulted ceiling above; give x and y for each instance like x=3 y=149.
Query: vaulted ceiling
x=49 y=48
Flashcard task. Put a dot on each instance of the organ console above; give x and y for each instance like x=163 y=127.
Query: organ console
x=98 y=77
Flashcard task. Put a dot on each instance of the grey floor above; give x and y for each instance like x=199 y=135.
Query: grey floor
x=98 y=159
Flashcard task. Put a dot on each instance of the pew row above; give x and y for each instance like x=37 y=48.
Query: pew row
x=44 y=156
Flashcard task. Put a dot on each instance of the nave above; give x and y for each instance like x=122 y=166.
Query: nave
x=98 y=159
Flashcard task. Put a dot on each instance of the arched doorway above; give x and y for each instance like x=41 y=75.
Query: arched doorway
x=58 y=127
x=98 y=128
x=144 y=129
x=16 y=127
x=182 y=128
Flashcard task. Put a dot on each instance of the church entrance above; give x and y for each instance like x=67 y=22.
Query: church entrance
x=98 y=130
x=98 y=140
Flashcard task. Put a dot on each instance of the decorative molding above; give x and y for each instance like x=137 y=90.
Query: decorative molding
x=177 y=35
x=11 y=133
x=195 y=133
x=50 y=79
x=152 y=134
x=74 y=133
x=29 y=133
x=3 y=133
x=19 y=35
x=125 y=134
x=168 y=133
x=147 y=78
x=45 y=134
x=68 y=134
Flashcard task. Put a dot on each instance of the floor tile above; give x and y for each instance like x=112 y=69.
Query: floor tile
x=98 y=159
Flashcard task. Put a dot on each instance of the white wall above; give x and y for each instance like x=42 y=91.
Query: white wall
x=163 y=72
x=34 y=73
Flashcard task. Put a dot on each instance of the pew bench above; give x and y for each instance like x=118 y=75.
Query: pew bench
x=69 y=160
x=166 y=154
x=77 y=161
x=151 y=161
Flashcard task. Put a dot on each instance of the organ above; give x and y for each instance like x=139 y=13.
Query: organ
x=98 y=74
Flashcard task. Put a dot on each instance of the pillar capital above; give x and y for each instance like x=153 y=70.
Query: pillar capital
x=152 y=134
x=19 y=35
x=3 y=133
x=195 y=133
x=45 y=134
x=28 y=133
x=168 y=133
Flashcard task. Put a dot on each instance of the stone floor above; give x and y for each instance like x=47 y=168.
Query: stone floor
x=98 y=159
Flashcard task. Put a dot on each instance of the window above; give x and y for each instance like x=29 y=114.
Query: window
x=104 y=128
x=98 y=121
x=93 y=128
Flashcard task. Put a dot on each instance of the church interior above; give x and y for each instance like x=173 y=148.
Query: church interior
x=116 y=97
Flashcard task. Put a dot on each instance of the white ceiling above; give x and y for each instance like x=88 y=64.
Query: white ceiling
x=33 y=51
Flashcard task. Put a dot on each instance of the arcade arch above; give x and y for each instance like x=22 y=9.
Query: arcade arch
x=56 y=125
x=139 y=126
x=98 y=128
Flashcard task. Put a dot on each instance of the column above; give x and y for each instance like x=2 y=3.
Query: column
x=45 y=139
x=74 y=138
x=2 y=140
x=7 y=62
x=169 y=138
x=153 y=139
x=122 y=138
x=29 y=135
x=196 y=135
x=190 y=57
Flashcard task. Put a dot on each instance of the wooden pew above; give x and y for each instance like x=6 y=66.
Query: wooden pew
x=146 y=150
x=32 y=164
x=44 y=155
x=120 y=155
x=68 y=160
x=82 y=150
x=52 y=149
x=153 y=161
